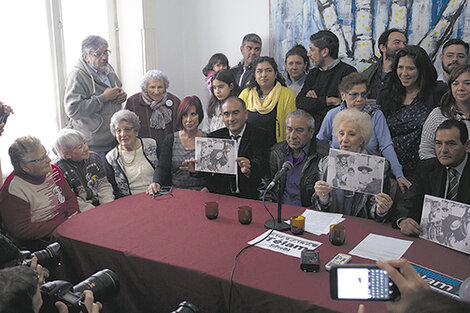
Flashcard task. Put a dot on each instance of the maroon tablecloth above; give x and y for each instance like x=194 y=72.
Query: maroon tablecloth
x=165 y=251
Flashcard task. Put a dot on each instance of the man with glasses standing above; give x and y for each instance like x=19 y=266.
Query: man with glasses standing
x=93 y=94
x=35 y=197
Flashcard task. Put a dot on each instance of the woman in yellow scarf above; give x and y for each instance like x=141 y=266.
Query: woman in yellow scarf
x=268 y=100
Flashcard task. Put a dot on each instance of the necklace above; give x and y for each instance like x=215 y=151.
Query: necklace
x=124 y=160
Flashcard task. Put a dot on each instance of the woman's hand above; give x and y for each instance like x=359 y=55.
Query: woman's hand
x=322 y=189
x=153 y=189
x=384 y=202
x=403 y=183
x=189 y=165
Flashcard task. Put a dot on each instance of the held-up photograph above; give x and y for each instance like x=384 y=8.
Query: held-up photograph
x=355 y=171
x=215 y=155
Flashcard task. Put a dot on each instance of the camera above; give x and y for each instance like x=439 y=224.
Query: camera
x=48 y=257
x=104 y=285
x=186 y=307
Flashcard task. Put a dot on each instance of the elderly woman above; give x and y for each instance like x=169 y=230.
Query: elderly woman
x=353 y=130
x=412 y=93
x=178 y=147
x=155 y=106
x=83 y=170
x=267 y=99
x=455 y=104
x=353 y=91
x=133 y=161
x=35 y=197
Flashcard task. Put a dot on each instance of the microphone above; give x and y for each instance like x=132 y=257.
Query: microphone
x=284 y=169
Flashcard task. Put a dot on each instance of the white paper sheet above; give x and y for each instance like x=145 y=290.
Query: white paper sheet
x=318 y=223
x=383 y=248
x=284 y=243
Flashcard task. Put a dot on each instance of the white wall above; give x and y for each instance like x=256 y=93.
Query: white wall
x=188 y=33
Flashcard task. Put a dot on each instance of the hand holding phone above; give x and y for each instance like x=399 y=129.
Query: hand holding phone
x=361 y=282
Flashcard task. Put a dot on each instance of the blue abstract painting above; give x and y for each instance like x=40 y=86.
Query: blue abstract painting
x=359 y=23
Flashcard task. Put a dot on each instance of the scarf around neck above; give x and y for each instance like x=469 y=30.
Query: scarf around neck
x=270 y=101
x=161 y=114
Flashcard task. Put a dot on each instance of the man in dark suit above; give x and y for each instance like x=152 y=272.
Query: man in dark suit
x=447 y=176
x=252 y=152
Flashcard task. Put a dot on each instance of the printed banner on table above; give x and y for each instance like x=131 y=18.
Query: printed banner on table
x=215 y=155
x=284 y=243
x=355 y=171
x=442 y=283
x=446 y=222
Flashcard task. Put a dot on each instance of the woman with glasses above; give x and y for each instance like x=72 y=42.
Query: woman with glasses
x=35 y=198
x=353 y=91
x=131 y=164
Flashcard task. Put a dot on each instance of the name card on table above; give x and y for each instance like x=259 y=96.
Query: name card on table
x=284 y=243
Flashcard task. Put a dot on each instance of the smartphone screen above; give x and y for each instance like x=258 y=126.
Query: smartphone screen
x=361 y=283
x=165 y=190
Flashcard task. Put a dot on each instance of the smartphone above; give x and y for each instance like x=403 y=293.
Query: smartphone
x=361 y=282
x=164 y=190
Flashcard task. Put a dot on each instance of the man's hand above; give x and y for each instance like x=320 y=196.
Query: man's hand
x=410 y=227
x=42 y=271
x=113 y=93
x=89 y=304
x=245 y=165
x=189 y=165
x=311 y=94
x=408 y=282
x=122 y=96
x=333 y=101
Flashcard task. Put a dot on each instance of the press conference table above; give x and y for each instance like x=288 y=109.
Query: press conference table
x=165 y=250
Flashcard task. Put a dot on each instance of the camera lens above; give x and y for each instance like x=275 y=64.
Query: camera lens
x=50 y=256
x=104 y=285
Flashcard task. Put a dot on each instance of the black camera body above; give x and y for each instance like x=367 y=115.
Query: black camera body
x=60 y=290
x=104 y=285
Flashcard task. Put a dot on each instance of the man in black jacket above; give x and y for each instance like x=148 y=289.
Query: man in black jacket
x=300 y=149
x=252 y=152
x=250 y=49
x=447 y=176
x=378 y=74
x=320 y=91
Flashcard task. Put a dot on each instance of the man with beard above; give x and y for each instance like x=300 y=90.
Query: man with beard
x=93 y=94
x=454 y=52
x=320 y=90
x=378 y=73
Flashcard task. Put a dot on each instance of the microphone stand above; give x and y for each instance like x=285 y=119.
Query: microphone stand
x=279 y=223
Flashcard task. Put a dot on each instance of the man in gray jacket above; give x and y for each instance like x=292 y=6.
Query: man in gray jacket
x=300 y=148
x=93 y=94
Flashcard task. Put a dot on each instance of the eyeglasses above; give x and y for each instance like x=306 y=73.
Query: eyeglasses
x=41 y=159
x=354 y=95
x=123 y=130
x=98 y=54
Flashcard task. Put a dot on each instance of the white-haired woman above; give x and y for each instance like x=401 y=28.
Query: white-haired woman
x=155 y=106
x=353 y=130
x=83 y=170
x=133 y=161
